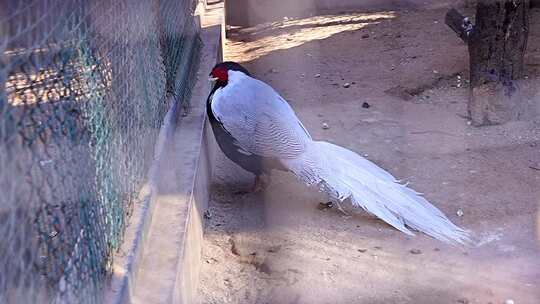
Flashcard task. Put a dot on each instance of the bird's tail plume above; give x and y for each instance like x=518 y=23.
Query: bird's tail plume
x=344 y=174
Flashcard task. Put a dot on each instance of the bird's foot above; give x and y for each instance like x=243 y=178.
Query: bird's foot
x=260 y=184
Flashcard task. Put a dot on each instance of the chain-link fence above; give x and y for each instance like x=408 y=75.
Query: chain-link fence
x=83 y=93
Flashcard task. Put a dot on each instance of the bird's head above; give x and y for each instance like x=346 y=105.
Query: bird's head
x=220 y=72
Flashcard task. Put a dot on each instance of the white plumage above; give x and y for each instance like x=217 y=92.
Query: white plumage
x=262 y=123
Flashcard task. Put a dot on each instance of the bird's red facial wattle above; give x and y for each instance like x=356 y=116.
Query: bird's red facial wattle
x=220 y=74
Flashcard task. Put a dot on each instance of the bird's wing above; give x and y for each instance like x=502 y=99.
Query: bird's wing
x=260 y=120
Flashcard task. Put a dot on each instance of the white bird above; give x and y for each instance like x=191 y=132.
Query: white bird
x=258 y=130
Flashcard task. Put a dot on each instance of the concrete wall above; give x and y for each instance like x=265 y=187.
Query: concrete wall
x=159 y=260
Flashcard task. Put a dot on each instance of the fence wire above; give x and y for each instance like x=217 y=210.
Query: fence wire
x=83 y=93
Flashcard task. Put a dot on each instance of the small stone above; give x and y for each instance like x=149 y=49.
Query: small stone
x=289 y=39
x=325 y=126
x=346 y=85
x=62 y=284
x=366 y=35
x=45 y=162
x=365 y=105
x=415 y=251
x=463 y=301
x=324 y=206
x=317 y=75
x=509 y=301
x=437 y=249
x=459 y=212
x=272 y=70
x=435 y=72
x=362 y=250
x=207 y=215
x=274 y=249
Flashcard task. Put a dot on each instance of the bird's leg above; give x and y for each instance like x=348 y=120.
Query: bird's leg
x=258 y=185
x=261 y=182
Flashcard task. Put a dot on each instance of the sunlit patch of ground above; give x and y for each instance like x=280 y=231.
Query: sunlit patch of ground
x=291 y=33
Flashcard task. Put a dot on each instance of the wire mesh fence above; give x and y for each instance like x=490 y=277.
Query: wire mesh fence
x=83 y=93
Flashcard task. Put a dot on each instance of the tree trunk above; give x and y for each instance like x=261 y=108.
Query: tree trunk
x=497 y=44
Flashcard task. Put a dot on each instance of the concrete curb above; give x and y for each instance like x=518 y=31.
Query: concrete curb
x=159 y=261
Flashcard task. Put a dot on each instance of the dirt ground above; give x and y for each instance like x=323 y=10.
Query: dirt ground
x=279 y=246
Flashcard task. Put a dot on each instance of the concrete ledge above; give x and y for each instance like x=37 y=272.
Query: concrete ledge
x=159 y=260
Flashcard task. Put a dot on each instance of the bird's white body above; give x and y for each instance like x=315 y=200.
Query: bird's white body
x=262 y=123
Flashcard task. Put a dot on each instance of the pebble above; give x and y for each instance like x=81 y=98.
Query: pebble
x=45 y=162
x=365 y=36
x=362 y=250
x=459 y=212
x=509 y=301
x=463 y=301
x=324 y=206
x=415 y=251
x=325 y=126
x=274 y=249
x=317 y=75
x=346 y=85
x=62 y=284
x=365 y=105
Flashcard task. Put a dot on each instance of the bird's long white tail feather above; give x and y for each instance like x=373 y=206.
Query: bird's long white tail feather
x=344 y=174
